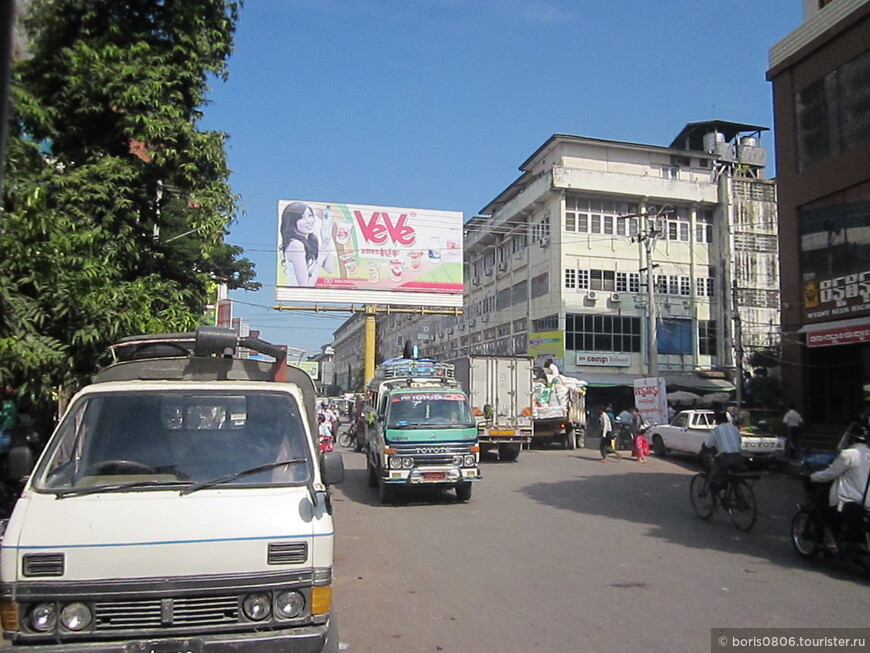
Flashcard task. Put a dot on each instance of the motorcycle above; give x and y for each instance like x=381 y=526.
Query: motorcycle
x=327 y=443
x=852 y=534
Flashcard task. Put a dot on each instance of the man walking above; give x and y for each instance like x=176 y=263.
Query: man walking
x=793 y=420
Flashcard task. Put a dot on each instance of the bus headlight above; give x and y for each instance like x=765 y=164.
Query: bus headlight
x=76 y=616
x=43 y=617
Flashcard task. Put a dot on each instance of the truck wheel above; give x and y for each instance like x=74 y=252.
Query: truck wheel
x=659 y=446
x=386 y=492
x=463 y=492
x=371 y=473
x=509 y=452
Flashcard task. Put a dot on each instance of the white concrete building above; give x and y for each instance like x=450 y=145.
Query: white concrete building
x=556 y=264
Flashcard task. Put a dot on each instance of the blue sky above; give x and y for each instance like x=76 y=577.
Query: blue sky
x=435 y=103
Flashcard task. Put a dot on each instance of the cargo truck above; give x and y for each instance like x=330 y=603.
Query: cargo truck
x=500 y=391
x=559 y=411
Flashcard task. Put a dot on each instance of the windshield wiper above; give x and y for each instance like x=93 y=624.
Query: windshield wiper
x=114 y=487
x=245 y=472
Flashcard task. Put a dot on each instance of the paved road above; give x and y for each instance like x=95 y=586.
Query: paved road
x=560 y=553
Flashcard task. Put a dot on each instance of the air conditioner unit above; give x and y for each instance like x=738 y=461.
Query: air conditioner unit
x=592 y=295
x=476 y=281
x=545 y=240
x=502 y=267
x=449 y=331
x=488 y=272
x=471 y=323
x=615 y=297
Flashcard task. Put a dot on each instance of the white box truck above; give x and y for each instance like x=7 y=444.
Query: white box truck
x=500 y=391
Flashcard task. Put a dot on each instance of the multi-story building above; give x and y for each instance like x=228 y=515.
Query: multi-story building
x=557 y=264
x=821 y=93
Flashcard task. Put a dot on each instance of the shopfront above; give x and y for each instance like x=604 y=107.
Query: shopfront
x=838 y=355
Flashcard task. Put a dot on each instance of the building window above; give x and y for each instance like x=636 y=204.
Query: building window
x=588 y=332
x=670 y=172
x=674 y=337
x=583 y=279
x=704 y=226
x=832 y=113
x=570 y=278
x=602 y=280
x=673 y=284
x=707 y=338
x=704 y=287
x=549 y=323
x=686 y=286
x=590 y=215
x=540 y=285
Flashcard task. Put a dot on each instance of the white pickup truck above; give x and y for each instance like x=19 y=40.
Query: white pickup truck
x=689 y=429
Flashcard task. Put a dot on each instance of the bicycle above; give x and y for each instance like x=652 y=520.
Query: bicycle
x=350 y=438
x=737 y=497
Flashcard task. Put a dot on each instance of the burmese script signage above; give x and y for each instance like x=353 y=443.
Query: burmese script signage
x=603 y=360
x=839 y=335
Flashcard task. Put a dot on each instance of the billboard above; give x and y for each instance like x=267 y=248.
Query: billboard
x=547 y=344
x=332 y=252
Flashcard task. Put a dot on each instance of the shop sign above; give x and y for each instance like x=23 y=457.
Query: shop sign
x=842 y=335
x=603 y=360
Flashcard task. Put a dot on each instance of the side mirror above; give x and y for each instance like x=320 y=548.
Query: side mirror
x=19 y=463
x=332 y=468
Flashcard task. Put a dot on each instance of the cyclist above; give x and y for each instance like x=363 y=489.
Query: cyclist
x=725 y=438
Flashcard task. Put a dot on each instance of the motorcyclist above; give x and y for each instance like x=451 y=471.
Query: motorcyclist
x=849 y=472
x=725 y=438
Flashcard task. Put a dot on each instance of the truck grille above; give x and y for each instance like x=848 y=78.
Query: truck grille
x=432 y=454
x=161 y=613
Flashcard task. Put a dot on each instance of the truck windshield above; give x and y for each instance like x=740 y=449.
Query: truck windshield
x=162 y=440
x=441 y=410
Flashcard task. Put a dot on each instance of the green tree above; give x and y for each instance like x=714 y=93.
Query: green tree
x=115 y=203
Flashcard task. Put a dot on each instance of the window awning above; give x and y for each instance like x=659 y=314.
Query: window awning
x=695 y=383
x=606 y=380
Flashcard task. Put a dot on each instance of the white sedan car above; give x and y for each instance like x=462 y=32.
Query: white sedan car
x=689 y=429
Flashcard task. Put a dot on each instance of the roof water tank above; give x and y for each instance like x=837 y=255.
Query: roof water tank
x=711 y=139
x=750 y=141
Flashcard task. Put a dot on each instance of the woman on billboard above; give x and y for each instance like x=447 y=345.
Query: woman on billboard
x=306 y=252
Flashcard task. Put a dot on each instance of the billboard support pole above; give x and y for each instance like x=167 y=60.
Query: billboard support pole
x=369 y=368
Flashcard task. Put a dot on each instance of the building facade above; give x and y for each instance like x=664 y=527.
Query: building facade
x=821 y=90
x=558 y=264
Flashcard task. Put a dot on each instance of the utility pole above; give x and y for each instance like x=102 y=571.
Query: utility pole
x=652 y=230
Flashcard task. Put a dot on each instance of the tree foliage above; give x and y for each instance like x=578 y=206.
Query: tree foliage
x=115 y=203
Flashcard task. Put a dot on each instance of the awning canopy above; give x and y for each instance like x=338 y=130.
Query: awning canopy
x=695 y=383
x=687 y=381
x=606 y=380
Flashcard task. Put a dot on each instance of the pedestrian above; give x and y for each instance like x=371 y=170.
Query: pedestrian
x=793 y=421
x=8 y=417
x=607 y=444
x=640 y=445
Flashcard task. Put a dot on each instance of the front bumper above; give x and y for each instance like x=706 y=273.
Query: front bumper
x=432 y=476
x=306 y=639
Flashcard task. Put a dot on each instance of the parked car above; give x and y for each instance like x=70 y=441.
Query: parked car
x=689 y=430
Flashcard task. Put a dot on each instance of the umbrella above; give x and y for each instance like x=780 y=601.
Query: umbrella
x=682 y=398
x=714 y=398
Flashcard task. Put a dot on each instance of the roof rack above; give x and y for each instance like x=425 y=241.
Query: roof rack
x=417 y=368
x=205 y=341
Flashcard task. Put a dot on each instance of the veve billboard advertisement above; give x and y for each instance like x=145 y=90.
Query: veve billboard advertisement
x=332 y=252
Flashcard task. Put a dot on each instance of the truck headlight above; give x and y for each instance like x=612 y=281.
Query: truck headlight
x=457 y=460
x=43 y=617
x=257 y=606
x=289 y=604
x=76 y=616
x=470 y=460
x=395 y=462
x=408 y=462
